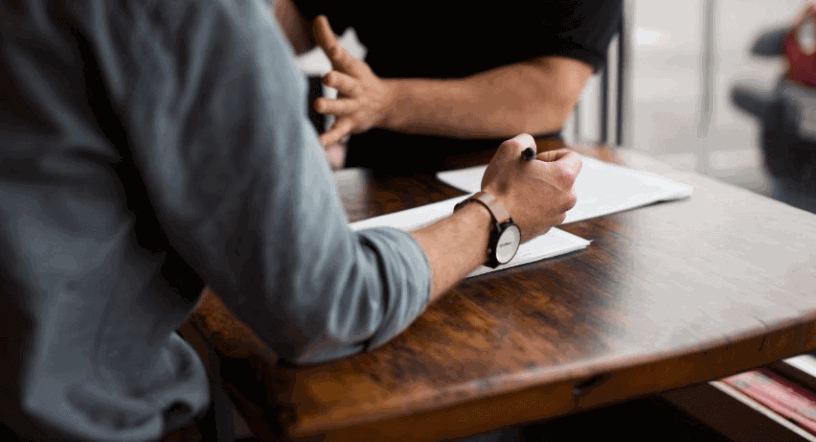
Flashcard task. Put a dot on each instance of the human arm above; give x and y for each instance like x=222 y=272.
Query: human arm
x=240 y=187
x=535 y=96
x=537 y=194
x=132 y=172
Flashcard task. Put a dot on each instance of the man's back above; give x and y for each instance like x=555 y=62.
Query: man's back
x=146 y=147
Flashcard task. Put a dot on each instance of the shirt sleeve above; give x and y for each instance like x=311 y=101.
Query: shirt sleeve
x=215 y=109
x=584 y=29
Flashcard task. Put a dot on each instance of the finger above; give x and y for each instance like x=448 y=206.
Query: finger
x=336 y=154
x=344 y=84
x=336 y=107
x=552 y=155
x=564 y=156
x=521 y=141
x=571 y=161
x=572 y=200
x=337 y=132
x=561 y=173
x=325 y=38
x=513 y=147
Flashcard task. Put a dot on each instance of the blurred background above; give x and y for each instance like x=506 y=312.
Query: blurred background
x=668 y=42
x=681 y=60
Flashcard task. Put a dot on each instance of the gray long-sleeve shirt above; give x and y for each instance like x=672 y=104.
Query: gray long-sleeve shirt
x=147 y=148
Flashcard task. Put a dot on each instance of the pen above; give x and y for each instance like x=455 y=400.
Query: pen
x=528 y=154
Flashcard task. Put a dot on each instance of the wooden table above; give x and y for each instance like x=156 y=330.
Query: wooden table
x=666 y=296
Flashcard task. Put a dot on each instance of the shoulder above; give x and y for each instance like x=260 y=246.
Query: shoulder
x=581 y=30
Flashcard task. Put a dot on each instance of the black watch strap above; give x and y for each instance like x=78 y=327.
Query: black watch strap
x=501 y=222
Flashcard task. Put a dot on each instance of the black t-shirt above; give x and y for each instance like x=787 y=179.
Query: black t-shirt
x=422 y=39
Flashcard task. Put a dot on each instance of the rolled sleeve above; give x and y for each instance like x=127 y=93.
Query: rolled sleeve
x=587 y=32
x=402 y=274
x=400 y=313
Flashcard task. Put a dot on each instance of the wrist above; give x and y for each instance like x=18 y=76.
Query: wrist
x=501 y=198
x=481 y=220
x=389 y=109
x=505 y=235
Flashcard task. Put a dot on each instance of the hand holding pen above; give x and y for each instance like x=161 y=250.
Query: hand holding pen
x=536 y=194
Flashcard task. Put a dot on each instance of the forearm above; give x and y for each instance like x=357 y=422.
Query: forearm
x=455 y=246
x=533 y=97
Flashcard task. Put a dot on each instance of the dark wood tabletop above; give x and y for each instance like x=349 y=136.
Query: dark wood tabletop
x=665 y=296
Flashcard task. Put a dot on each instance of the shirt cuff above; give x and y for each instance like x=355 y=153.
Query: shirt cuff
x=406 y=296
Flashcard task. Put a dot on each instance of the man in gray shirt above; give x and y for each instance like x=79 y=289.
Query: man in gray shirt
x=150 y=147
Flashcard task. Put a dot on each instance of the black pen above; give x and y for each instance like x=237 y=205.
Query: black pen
x=528 y=154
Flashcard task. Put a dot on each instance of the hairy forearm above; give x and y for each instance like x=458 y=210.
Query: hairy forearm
x=534 y=97
x=455 y=246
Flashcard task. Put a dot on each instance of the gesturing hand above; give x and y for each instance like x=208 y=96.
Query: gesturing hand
x=363 y=99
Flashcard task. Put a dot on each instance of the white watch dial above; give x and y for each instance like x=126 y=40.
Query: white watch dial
x=508 y=244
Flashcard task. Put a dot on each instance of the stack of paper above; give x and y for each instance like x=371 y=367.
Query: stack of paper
x=555 y=242
x=601 y=188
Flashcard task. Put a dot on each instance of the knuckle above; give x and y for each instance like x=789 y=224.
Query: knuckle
x=525 y=139
x=575 y=171
x=509 y=146
x=565 y=176
x=517 y=143
x=572 y=199
x=356 y=90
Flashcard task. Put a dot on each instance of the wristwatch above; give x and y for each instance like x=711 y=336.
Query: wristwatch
x=505 y=237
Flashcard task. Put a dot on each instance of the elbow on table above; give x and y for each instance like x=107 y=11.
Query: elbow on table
x=330 y=330
x=324 y=350
x=344 y=306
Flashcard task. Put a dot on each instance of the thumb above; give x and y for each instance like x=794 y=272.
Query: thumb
x=512 y=148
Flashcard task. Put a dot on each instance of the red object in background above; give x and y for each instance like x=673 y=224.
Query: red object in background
x=800 y=49
x=778 y=394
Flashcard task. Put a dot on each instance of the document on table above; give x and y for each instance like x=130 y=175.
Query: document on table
x=554 y=243
x=601 y=188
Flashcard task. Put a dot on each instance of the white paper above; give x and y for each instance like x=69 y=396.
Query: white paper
x=805 y=363
x=601 y=188
x=553 y=243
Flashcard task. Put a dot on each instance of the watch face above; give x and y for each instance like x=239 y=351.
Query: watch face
x=508 y=244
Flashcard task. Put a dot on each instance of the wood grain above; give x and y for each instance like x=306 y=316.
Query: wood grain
x=665 y=296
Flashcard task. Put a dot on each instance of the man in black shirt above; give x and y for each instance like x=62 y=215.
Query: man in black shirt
x=439 y=83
